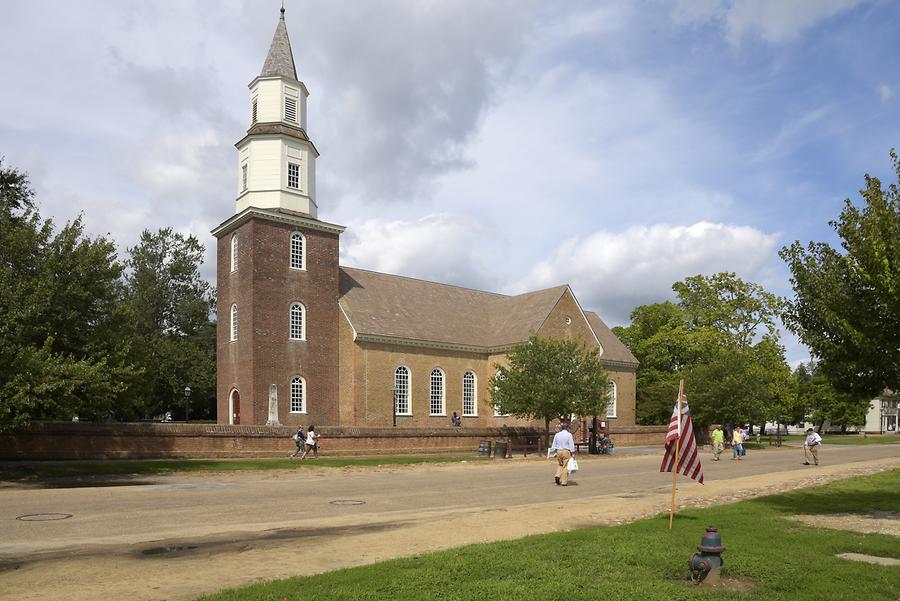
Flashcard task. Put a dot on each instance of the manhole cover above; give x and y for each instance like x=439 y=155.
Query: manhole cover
x=43 y=517
x=347 y=502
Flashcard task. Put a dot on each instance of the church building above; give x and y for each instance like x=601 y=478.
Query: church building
x=304 y=340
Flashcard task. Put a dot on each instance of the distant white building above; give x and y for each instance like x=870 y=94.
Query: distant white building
x=882 y=415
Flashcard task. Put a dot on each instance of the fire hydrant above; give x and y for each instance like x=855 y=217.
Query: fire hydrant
x=707 y=564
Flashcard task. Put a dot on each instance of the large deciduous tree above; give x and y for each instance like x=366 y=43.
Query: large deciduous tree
x=846 y=306
x=169 y=306
x=62 y=352
x=548 y=378
x=722 y=338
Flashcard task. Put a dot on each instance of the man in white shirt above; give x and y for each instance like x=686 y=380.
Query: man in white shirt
x=565 y=447
x=811 y=446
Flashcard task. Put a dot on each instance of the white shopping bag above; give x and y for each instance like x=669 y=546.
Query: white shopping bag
x=572 y=466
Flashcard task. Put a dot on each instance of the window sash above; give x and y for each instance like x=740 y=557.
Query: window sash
x=243 y=178
x=401 y=390
x=296 y=330
x=297 y=251
x=436 y=398
x=611 y=407
x=234 y=252
x=293 y=178
x=234 y=322
x=298 y=395
x=469 y=405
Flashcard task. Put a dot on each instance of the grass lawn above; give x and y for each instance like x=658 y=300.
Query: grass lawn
x=12 y=471
x=776 y=559
x=831 y=439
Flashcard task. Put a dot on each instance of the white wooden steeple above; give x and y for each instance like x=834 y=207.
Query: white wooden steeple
x=277 y=160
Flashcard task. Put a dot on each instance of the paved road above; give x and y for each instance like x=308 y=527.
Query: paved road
x=148 y=509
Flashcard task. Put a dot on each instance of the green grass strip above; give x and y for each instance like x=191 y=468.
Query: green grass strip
x=32 y=471
x=775 y=559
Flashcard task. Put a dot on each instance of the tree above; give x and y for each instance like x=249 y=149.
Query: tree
x=60 y=354
x=822 y=403
x=846 y=305
x=549 y=379
x=659 y=339
x=169 y=307
x=722 y=338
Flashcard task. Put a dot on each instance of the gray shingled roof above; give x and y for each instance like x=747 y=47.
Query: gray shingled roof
x=613 y=348
x=390 y=306
x=280 y=60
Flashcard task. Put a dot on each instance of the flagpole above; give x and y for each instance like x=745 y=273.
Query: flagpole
x=677 y=448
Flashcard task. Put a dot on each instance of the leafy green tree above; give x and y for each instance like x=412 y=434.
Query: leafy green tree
x=846 y=306
x=169 y=307
x=61 y=353
x=548 y=378
x=659 y=339
x=822 y=403
x=722 y=338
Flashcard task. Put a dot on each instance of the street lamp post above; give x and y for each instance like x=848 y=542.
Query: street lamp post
x=187 y=404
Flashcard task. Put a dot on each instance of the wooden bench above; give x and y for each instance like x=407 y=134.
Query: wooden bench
x=529 y=443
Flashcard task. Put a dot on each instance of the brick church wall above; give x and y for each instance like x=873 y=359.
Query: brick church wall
x=66 y=440
x=264 y=286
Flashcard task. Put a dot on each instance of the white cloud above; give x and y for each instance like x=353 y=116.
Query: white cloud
x=775 y=21
x=614 y=272
x=885 y=92
x=442 y=248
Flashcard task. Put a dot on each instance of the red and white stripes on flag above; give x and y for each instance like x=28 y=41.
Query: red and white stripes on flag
x=688 y=453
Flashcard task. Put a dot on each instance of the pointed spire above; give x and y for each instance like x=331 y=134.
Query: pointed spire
x=280 y=60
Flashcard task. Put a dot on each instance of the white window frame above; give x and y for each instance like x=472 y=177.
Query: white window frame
x=297 y=321
x=614 y=401
x=245 y=177
x=497 y=412
x=234 y=252
x=298 y=394
x=470 y=389
x=437 y=396
x=402 y=397
x=234 y=322
x=296 y=178
x=300 y=256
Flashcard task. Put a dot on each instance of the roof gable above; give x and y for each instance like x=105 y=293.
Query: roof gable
x=390 y=307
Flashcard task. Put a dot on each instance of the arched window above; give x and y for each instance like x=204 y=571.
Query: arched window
x=234 y=252
x=233 y=322
x=470 y=399
x=611 y=407
x=298 y=251
x=436 y=397
x=298 y=323
x=401 y=391
x=298 y=395
x=497 y=412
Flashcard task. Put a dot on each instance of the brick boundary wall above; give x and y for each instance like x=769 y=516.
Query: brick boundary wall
x=66 y=440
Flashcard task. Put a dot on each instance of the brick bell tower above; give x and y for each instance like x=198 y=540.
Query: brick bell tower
x=277 y=266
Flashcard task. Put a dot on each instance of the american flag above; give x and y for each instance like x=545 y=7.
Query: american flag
x=688 y=454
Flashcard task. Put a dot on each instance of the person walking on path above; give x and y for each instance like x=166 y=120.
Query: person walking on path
x=300 y=440
x=312 y=444
x=565 y=447
x=811 y=446
x=718 y=442
x=737 y=443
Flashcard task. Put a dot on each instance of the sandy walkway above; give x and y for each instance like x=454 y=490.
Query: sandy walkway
x=230 y=559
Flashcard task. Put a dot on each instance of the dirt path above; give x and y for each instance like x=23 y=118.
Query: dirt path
x=115 y=565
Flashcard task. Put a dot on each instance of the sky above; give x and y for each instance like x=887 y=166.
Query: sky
x=508 y=146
